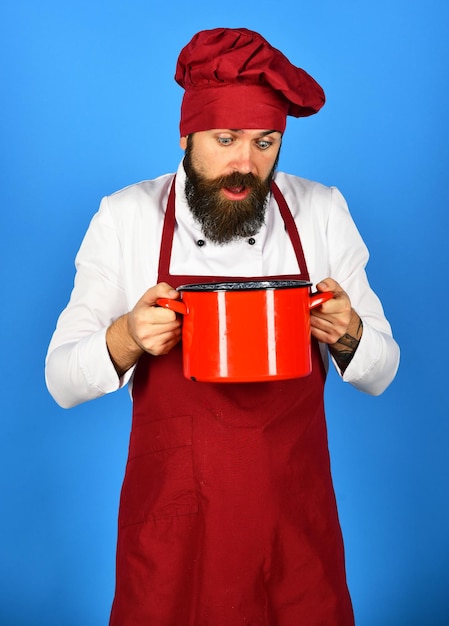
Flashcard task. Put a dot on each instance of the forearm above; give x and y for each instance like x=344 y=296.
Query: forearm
x=344 y=349
x=81 y=370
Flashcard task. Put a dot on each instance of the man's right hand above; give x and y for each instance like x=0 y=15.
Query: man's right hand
x=146 y=328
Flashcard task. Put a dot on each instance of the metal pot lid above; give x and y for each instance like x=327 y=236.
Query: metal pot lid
x=250 y=285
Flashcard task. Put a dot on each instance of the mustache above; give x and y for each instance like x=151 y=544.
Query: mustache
x=236 y=179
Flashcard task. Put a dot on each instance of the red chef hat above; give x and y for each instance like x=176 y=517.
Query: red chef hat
x=233 y=78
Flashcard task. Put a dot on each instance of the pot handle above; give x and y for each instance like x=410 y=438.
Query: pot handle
x=319 y=297
x=173 y=305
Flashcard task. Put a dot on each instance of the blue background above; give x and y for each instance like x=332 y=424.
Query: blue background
x=88 y=105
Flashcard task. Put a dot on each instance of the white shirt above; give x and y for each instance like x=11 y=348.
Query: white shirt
x=118 y=261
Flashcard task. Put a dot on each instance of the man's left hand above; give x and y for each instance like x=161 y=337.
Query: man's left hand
x=336 y=323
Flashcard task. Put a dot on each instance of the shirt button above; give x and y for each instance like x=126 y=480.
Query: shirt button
x=200 y=243
x=251 y=241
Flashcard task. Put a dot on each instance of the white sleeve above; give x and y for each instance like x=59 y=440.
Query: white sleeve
x=376 y=360
x=78 y=366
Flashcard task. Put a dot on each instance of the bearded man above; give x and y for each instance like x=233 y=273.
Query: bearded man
x=232 y=205
x=227 y=512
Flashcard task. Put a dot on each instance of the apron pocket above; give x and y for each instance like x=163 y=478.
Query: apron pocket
x=159 y=473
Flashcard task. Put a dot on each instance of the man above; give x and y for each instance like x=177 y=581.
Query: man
x=227 y=512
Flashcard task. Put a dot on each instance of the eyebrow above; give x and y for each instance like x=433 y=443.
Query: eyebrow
x=262 y=134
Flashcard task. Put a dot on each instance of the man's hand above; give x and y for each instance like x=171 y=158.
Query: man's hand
x=147 y=328
x=336 y=323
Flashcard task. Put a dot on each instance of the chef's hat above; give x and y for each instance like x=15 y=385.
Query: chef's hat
x=233 y=78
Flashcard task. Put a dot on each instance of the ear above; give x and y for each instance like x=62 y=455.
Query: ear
x=183 y=143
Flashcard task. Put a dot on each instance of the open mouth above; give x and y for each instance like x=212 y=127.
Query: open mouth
x=236 y=193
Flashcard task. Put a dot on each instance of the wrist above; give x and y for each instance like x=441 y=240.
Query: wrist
x=123 y=350
x=345 y=347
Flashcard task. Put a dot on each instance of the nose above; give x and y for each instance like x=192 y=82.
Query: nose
x=243 y=160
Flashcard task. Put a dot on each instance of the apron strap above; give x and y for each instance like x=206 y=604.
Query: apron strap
x=169 y=228
x=292 y=230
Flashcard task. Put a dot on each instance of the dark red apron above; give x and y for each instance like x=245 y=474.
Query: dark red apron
x=227 y=513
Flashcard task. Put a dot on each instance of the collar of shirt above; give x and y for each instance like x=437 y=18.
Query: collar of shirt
x=266 y=253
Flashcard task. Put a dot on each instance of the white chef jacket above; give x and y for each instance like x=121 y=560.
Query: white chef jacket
x=118 y=261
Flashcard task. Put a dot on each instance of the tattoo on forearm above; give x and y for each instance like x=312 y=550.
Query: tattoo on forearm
x=344 y=349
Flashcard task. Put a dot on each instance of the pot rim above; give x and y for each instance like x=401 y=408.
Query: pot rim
x=250 y=285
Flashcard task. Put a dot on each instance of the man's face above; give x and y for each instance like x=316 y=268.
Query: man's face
x=228 y=180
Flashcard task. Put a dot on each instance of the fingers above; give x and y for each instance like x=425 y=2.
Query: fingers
x=161 y=343
x=325 y=330
x=155 y=329
x=330 y=321
x=329 y=284
x=161 y=290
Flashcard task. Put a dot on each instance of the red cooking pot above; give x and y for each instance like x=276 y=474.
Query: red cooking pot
x=246 y=331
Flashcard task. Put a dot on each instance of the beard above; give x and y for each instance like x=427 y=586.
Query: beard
x=223 y=220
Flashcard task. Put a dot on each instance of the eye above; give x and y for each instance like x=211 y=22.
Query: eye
x=264 y=144
x=225 y=141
